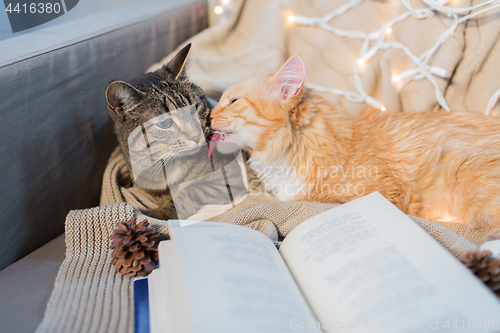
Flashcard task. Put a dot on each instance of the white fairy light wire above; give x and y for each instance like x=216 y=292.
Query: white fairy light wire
x=492 y=102
x=423 y=70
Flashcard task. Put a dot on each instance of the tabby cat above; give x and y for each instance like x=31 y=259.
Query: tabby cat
x=435 y=165
x=168 y=114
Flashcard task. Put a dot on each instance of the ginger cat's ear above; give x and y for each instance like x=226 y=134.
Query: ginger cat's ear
x=289 y=79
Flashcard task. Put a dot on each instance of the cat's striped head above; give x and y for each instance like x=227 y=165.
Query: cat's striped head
x=171 y=110
x=249 y=112
x=160 y=117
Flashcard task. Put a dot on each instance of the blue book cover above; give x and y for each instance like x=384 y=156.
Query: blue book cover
x=141 y=306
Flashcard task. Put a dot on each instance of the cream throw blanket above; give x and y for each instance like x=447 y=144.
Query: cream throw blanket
x=257 y=39
x=89 y=296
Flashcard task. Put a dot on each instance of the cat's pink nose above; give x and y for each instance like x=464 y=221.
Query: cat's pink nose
x=216 y=110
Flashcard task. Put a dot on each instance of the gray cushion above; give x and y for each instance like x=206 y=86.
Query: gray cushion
x=25 y=287
x=55 y=134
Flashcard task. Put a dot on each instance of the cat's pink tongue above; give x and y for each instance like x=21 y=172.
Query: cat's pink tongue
x=213 y=141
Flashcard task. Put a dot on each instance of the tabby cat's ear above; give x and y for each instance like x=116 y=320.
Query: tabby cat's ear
x=122 y=97
x=288 y=81
x=177 y=65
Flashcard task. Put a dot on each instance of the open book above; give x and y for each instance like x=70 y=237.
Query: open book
x=361 y=267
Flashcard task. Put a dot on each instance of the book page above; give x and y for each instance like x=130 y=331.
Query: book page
x=167 y=303
x=365 y=266
x=156 y=307
x=235 y=279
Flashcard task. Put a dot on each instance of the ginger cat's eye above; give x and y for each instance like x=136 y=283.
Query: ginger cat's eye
x=166 y=124
x=232 y=101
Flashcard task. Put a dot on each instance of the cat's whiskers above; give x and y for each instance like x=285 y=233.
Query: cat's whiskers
x=155 y=172
x=155 y=165
x=152 y=174
x=164 y=159
x=139 y=175
x=149 y=154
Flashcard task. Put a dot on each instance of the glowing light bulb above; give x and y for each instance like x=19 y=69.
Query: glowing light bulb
x=225 y=2
x=388 y=31
x=383 y=109
x=362 y=62
x=218 y=10
x=395 y=78
x=291 y=18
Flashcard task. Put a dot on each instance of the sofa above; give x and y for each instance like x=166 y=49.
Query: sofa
x=57 y=136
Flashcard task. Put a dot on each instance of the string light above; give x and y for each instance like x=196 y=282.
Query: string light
x=218 y=10
x=370 y=54
x=492 y=102
x=423 y=70
x=373 y=102
x=225 y=2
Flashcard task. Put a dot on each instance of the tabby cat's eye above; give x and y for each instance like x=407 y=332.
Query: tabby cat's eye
x=192 y=111
x=167 y=123
x=232 y=101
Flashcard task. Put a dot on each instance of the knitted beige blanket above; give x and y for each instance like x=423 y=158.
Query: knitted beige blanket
x=89 y=296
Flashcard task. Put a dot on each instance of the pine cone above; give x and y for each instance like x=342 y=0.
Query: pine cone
x=485 y=268
x=135 y=248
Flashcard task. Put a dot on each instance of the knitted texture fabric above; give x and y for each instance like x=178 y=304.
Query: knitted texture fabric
x=90 y=296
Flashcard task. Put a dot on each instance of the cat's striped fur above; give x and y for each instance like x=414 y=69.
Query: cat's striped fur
x=152 y=95
x=435 y=165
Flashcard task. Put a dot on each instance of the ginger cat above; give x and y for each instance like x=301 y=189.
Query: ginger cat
x=435 y=165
